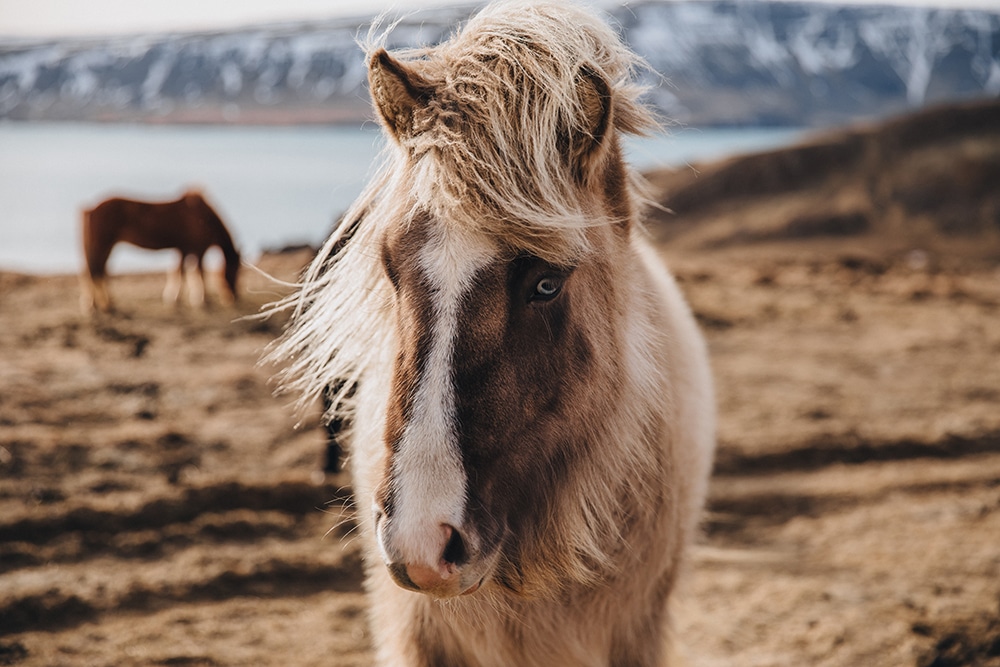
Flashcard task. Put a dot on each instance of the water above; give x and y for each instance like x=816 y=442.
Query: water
x=272 y=186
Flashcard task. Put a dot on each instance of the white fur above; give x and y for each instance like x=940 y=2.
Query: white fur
x=430 y=479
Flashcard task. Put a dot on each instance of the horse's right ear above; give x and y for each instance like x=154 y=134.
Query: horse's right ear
x=397 y=91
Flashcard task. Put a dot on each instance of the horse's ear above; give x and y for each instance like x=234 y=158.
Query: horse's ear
x=587 y=142
x=397 y=92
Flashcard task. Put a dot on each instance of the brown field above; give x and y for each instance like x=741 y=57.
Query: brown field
x=158 y=505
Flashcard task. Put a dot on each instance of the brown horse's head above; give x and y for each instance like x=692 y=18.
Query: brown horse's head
x=231 y=272
x=218 y=234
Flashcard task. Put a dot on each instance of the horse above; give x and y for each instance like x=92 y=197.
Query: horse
x=188 y=224
x=529 y=398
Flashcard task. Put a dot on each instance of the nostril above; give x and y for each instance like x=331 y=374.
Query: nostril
x=454 y=551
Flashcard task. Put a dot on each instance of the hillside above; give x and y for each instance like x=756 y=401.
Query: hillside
x=925 y=182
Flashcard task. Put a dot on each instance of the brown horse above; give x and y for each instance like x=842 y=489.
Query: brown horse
x=188 y=224
x=528 y=396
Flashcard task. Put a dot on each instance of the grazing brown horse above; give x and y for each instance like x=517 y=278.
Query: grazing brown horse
x=188 y=224
x=528 y=396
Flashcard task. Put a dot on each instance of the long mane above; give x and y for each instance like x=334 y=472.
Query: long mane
x=488 y=152
x=490 y=147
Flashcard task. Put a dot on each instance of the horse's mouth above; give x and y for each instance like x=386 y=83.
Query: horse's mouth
x=455 y=586
x=474 y=587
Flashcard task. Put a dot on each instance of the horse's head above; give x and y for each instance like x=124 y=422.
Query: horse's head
x=231 y=272
x=508 y=267
x=506 y=372
x=212 y=224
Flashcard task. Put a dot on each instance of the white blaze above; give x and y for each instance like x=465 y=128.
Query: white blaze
x=430 y=483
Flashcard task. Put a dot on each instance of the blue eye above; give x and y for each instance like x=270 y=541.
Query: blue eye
x=547 y=288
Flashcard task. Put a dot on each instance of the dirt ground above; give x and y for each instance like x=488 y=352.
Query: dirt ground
x=158 y=505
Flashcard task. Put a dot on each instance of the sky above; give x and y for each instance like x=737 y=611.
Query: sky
x=53 y=18
x=60 y=18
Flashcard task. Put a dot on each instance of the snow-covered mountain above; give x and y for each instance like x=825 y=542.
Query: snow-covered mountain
x=721 y=62
x=812 y=63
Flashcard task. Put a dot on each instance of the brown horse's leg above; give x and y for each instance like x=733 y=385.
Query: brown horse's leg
x=175 y=279
x=94 y=283
x=196 y=283
x=86 y=293
x=101 y=295
x=94 y=293
x=227 y=296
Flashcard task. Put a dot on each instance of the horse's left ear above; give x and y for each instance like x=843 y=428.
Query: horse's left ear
x=587 y=143
x=397 y=91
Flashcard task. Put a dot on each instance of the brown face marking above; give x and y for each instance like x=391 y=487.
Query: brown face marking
x=533 y=371
x=528 y=374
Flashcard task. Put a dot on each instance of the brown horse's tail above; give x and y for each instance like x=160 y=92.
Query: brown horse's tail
x=88 y=241
x=88 y=288
x=96 y=242
x=93 y=279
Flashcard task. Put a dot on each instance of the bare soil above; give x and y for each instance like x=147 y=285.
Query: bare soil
x=159 y=506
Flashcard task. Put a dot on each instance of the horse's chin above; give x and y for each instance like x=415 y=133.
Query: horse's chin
x=458 y=587
x=475 y=587
x=465 y=581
